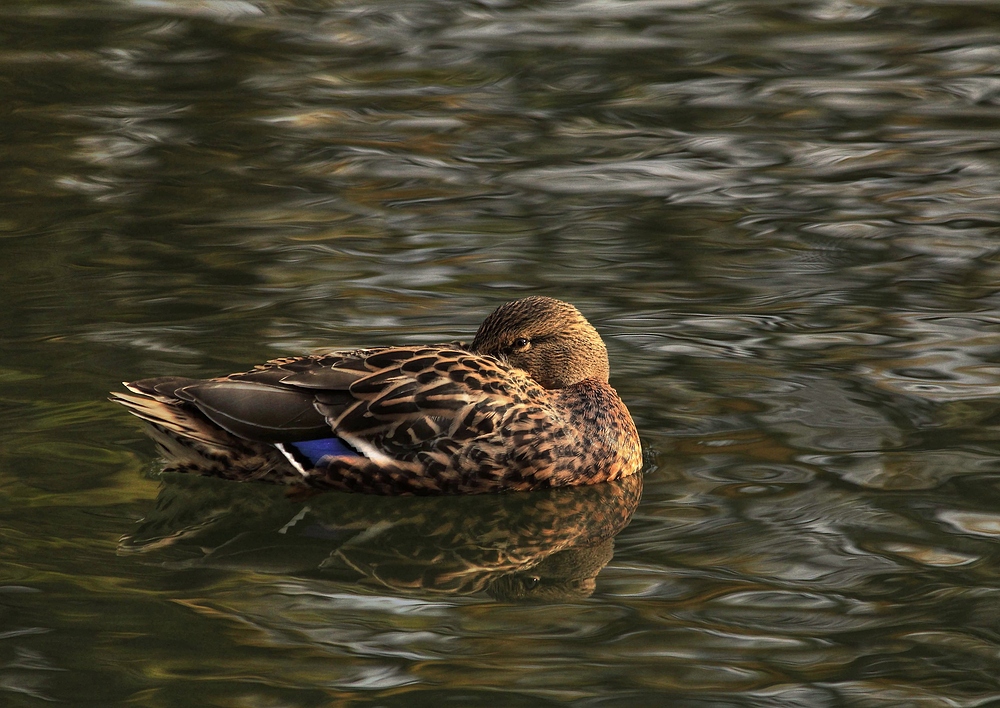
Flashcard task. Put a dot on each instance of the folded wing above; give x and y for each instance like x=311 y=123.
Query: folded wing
x=394 y=403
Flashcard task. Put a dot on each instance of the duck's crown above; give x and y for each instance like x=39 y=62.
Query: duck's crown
x=548 y=338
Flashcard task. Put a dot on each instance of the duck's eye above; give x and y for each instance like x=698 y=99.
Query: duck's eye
x=520 y=344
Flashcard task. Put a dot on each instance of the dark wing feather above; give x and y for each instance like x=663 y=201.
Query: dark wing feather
x=257 y=411
x=323 y=378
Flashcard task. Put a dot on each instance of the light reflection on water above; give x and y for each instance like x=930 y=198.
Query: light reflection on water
x=782 y=217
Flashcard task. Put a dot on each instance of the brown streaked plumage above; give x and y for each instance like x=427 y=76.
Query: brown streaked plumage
x=526 y=406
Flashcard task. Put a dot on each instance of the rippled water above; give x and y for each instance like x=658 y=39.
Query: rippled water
x=783 y=217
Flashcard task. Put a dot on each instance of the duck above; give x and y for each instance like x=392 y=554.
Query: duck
x=526 y=405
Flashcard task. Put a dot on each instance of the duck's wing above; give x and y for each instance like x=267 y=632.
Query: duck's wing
x=424 y=401
x=388 y=403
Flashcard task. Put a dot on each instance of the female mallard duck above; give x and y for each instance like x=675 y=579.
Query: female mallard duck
x=526 y=406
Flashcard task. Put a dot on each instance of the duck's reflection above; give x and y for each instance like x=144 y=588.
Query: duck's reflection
x=537 y=545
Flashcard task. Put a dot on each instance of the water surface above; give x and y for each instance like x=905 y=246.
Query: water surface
x=781 y=216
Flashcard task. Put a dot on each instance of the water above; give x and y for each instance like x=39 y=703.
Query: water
x=781 y=216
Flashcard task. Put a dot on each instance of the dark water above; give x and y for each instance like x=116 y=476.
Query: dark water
x=783 y=216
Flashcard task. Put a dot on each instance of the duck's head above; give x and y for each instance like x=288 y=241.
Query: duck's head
x=548 y=338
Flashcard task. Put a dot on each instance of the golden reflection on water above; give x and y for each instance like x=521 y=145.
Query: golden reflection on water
x=550 y=545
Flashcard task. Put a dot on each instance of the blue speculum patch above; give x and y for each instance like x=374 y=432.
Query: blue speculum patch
x=315 y=450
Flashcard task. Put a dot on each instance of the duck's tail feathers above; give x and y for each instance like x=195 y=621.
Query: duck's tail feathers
x=174 y=418
x=187 y=441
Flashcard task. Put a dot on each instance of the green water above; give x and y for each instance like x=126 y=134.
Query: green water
x=783 y=218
